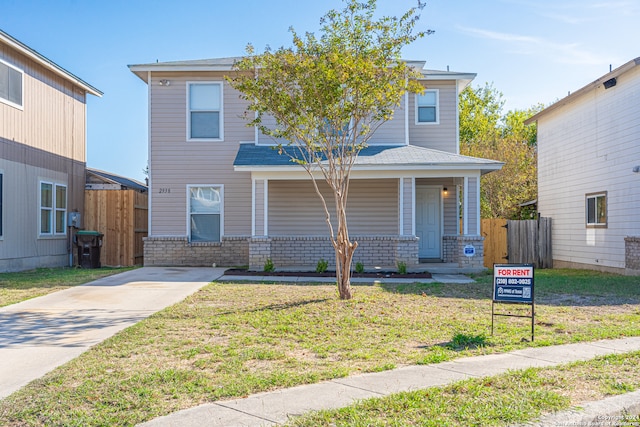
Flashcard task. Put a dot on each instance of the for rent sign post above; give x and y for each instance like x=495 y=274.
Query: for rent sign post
x=513 y=284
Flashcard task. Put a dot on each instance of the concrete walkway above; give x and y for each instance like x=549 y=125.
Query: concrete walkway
x=43 y=333
x=274 y=408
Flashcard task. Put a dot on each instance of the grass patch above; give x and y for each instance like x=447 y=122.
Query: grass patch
x=514 y=397
x=231 y=340
x=21 y=286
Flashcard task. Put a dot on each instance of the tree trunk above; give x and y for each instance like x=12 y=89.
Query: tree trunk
x=344 y=255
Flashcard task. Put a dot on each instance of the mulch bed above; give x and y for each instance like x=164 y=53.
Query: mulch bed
x=377 y=274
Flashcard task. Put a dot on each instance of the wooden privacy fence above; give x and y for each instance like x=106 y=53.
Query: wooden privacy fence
x=517 y=242
x=121 y=215
x=494 y=232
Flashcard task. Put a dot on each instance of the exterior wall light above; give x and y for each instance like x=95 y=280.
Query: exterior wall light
x=164 y=82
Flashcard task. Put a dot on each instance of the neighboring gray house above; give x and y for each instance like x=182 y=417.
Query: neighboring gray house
x=220 y=194
x=42 y=156
x=589 y=173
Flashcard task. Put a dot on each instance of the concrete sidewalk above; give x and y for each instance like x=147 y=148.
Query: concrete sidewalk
x=274 y=408
x=43 y=333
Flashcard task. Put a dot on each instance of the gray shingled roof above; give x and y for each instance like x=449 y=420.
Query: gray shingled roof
x=260 y=157
x=127 y=182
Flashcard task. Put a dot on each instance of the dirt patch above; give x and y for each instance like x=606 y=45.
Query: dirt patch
x=377 y=274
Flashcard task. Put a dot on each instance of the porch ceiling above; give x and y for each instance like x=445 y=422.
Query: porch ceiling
x=264 y=158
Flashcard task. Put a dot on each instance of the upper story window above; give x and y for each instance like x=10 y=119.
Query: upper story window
x=596 y=209
x=53 y=209
x=11 y=84
x=427 y=107
x=204 y=115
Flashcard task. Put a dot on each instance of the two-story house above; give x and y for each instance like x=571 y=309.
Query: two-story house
x=220 y=194
x=42 y=156
x=589 y=173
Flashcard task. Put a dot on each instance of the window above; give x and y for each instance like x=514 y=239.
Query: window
x=596 y=209
x=427 y=107
x=205 y=111
x=10 y=85
x=205 y=213
x=53 y=209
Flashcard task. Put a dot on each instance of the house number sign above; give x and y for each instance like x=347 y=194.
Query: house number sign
x=164 y=190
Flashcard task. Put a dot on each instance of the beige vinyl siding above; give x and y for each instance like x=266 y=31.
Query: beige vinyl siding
x=392 y=131
x=176 y=162
x=43 y=141
x=295 y=209
x=53 y=114
x=473 y=206
x=599 y=131
x=442 y=136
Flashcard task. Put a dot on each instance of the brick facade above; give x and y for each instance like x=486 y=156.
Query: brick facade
x=632 y=255
x=287 y=251
x=372 y=251
x=178 y=251
x=453 y=251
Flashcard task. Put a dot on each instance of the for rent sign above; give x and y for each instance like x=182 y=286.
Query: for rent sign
x=513 y=283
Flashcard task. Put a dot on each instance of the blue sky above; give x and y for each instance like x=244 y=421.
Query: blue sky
x=532 y=51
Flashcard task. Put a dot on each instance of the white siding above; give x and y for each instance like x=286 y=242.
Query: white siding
x=587 y=146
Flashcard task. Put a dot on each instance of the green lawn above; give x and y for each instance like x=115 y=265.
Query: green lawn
x=16 y=287
x=231 y=340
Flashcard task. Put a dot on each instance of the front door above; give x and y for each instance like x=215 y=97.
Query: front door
x=428 y=222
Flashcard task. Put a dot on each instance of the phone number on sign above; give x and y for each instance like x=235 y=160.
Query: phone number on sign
x=518 y=281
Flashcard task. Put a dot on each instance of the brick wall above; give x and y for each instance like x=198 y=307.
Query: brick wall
x=178 y=251
x=453 y=250
x=632 y=255
x=384 y=251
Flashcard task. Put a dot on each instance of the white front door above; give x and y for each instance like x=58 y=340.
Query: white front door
x=428 y=222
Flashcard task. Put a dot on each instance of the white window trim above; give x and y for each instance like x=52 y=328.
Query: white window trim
x=6 y=101
x=53 y=209
x=437 y=122
x=188 y=108
x=188 y=222
x=586 y=210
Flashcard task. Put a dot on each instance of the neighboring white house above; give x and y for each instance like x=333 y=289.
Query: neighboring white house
x=220 y=194
x=589 y=173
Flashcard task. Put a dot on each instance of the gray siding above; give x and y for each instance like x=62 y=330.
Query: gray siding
x=372 y=208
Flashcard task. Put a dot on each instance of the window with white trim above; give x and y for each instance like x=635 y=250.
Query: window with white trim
x=596 y=209
x=11 y=84
x=204 y=113
x=427 y=107
x=205 y=209
x=53 y=209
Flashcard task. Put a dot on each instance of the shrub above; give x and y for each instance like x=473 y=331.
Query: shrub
x=359 y=267
x=322 y=265
x=402 y=267
x=268 y=266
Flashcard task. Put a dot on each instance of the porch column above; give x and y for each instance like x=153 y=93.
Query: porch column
x=259 y=211
x=406 y=207
x=471 y=206
x=259 y=243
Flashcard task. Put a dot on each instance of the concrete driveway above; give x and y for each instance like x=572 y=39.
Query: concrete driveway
x=43 y=333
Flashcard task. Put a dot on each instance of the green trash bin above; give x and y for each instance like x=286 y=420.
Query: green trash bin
x=89 y=243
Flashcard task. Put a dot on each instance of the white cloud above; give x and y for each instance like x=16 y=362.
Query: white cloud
x=563 y=53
